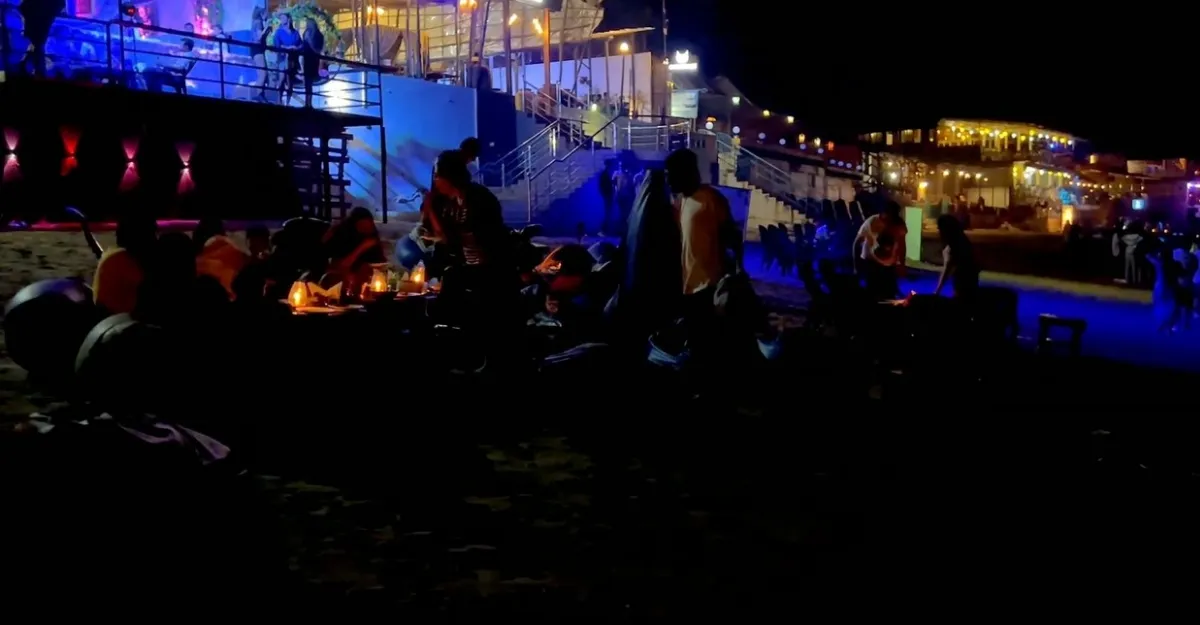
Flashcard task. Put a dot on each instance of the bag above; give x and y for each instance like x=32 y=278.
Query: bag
x=734 y=300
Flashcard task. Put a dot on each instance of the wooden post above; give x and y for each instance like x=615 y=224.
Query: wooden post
x=508 y=64
x=562 y=35
x=546 y=50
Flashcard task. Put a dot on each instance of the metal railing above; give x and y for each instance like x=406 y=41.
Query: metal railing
x=564 y=174
x=752 y=169
x=146 y=57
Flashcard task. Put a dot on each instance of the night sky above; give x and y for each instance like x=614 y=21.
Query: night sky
x=1119 y=79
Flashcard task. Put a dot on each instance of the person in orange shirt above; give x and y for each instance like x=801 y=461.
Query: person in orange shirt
x=121 y=269
x=217 y=256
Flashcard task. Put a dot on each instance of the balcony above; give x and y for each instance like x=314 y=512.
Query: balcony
x=144 y=57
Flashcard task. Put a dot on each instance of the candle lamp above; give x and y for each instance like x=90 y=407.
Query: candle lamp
x=298 y=295
x=416 y=280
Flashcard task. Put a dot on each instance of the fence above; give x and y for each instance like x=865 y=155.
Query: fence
x=145 y=57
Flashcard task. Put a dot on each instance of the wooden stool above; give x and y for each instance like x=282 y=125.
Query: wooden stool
x=1046 y=322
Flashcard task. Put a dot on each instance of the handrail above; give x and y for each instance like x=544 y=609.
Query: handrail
x=521 y=146
x=224 y=52
x=590 y=139
x=737 y=149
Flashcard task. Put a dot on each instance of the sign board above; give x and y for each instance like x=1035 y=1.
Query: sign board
x=685 y=104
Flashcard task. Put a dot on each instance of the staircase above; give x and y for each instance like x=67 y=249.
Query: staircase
x=739 y=164
x=554 y=164
x=319 y=171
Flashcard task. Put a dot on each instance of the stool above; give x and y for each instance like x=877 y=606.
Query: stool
x=1046 y=322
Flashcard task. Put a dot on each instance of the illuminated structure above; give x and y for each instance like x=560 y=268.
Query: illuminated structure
x=994 y=163
x=441 y=36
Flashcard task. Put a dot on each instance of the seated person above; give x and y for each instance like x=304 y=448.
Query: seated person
x=122 y=269
x=175 y=71
x=217 y=256
x=352 y=246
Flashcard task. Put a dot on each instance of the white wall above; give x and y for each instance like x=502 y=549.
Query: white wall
x=422 y=119
x=637 y=74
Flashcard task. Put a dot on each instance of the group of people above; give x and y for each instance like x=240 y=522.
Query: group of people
x=303 y=57
x=879 y=254
x=173 y=277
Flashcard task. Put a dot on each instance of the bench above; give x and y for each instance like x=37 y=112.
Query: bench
x=1046 y=324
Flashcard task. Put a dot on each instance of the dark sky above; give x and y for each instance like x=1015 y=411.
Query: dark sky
x=1121 y=79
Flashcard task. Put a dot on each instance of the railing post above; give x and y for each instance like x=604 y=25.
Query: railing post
x=528 y=199
x=383 y=187
x=221 y=67
x=503 y=176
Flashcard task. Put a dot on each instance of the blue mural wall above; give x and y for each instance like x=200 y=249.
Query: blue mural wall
x=421 y=119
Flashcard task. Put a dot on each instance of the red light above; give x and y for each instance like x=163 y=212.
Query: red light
x=11 y=138
x=70 y=139
x=185 y=182
x=68 y=165
x=185 y=150
x=131 y=148
x=12 y=169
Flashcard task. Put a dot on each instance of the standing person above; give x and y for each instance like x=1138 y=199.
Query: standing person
x=711 y=246
x=39 y=16
x=626 y=193
x=258 y=53
x=477 y=76
x=649 y=293
x=607 y=192
x=878 y=252
x=287 y=38
x=1133 y=240
x=958 y=260
x=311 y=51
x=481 y=281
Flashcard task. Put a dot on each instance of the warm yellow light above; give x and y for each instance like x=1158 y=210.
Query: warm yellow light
x=512 y=19
x=888 y=164
x=800 y=137
x=892 y=176
x=829 y=146
x=537 y=26
x=623 y=48
x=298 y=295
x=1014 y=135
x=468 y=4
x=380 y=11
x=978 y=176
x=766 y=113
x=923 y=184
x=945 y=172
x=791 y=120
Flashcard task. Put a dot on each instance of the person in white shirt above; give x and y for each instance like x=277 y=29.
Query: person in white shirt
x=878 y=252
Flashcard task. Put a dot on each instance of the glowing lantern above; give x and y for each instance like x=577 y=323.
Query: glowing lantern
x=379 y=283
x=418 y=274
x=298 y=295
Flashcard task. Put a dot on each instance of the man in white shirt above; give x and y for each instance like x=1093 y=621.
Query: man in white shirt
x=712 y=246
